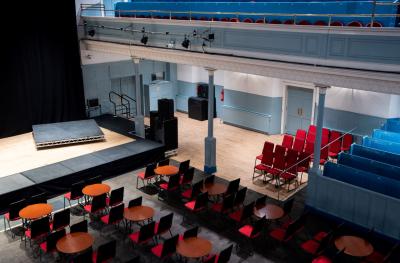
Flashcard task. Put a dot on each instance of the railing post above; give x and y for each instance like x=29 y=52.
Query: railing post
x=170 y=15
x=373 y=13
x=330 y=20
x=190 y=15
x=294 y=19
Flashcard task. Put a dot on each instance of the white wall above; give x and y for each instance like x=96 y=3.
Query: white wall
x=363 y=102
x=195 y=74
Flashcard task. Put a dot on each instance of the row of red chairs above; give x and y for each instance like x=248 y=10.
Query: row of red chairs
x=273 y=21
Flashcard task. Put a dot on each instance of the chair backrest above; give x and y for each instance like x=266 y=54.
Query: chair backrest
x=347 y=141
x=240 y=196
x=146 y=232
x=291 y=160
x=324 y=243
x=98 y=202
x=210 y=179
x=106 y=251
x=191 y=232
x=184 y=166
x=227 y=202
x=51 y=239
x=201 y=201
x=165 y=223
x=298 y=144
x=288 y=205
x=258 y=226
x=149 y=172
x=324 y=140
x=196 y=189
x=312 y=129
x=304 y=160
x=79 y=227
x=116 y=213
x=301 y=134
x=84 y=257
x=268 y=147
x=310 y=137
x=169 y=246
x=335 y=135
x=38 y=199
x=225 y=255
x=210 y=259
x=260 y=202
x=309 y=147
x=247 y=211
x=163 y=162
x=40 y=227
x=76 y=189
x=188 y=176
x=287 y=141
x=117 y=196
x=135 y=202
x=61 y=219
x=324 y=152
x=14 y=208
x=334 y=147
x=267 y=158
x=173 y=181
x=325 y=132
x=279 y=157
x=233 y=186
x=296 y=225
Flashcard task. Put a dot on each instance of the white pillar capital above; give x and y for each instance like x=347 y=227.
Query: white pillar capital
x=322 y=88
x=136 y=60
x=210 y=70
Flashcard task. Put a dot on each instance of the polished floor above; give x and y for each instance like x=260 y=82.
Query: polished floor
x=236 y=150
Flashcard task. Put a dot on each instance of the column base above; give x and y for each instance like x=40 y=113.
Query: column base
x=210 y=169
x=210 y=155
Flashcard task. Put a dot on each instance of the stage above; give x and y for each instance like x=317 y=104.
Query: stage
x=26 y=171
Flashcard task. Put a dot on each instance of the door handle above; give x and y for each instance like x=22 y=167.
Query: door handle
x=301 y=111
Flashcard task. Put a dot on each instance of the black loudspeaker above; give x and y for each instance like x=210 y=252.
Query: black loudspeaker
x=198 y=108
x=154 y=124
x=202 y=90
x=168 y=134
x=165 y=109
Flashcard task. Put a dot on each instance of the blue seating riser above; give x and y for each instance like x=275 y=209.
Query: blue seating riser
x=386 y=135
x=383 y=145
x=374 y=154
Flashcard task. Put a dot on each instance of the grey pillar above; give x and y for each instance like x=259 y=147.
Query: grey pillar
x=210 y=142
x=320 y=123
x=139 y=118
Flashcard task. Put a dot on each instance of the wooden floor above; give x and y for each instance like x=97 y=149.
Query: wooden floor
x=18 y=153
x=236 y=150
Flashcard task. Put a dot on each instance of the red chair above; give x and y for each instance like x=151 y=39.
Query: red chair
x=13 y=213
x=309 y=148
x=243 y=214
x=320 y=23
x=167 y=249
x=253 y=231
x=116 y=197
x=187 y=177
x=291 y=167
x=98 y=205
x=37 y=230
x=324 y=154
x=375 y=24
x=49 y=246
x=276 y=22
x=240 y=197
x=335 y=144
x=287 y=141
x=215 y=19
x=61 y=220
x=248 y=20
x=172 y=184
x=224 y=19
x=355 y=24
x=347 y=141
x=164 y=225
x=234 y=19
x=147 y=175
x=225 y=206
x=286 y=234
x=289 y=22
x=198 y=205
x=325 y=132
x=279 y=162
x=298 y=144
x=260 y=21
x=304 y=164
x=223 y=257
x=304 y=23
x=75 y=193
x=301 y=134
x=310 y=137
x=312 y=129
x=144 y=235
x=267 y=149
x=337 y=23
x=315 y=247
x=265 y=165
x=115 y=216
x=324 y=139
x=192 y=192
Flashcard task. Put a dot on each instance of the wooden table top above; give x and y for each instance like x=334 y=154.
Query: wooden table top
x=138 y=213
x=270 y=211
x=74 y=243
x=35 y=211
x=166 y=170
x=354 y=246
x=214 y=189
x=96 y=189
x=194 y=247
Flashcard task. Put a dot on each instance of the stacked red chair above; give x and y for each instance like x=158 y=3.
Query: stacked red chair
x=267 y=149
x=287 y=141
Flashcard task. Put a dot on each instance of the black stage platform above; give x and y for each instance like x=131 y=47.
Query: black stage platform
x=57 y=178
x=62 y=133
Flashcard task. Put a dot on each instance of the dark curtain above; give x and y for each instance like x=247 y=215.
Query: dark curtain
x=42 y=81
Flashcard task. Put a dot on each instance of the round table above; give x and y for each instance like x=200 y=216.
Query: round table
x=214 y=189
x=35 y=211
x=270 y=211
x=166 y=170
x=96 y=189
x=138 y=213
x=194 y=247
x=74 y=243
x=354 y=246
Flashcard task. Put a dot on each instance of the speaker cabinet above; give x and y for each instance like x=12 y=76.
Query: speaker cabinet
x=168 y=134
x=166 y=109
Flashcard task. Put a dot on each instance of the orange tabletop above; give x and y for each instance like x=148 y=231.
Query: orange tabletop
x=74 y=243
x=166 y=170
x=138 y=213
x=35 y=211
x=96 y=189
x=214 y=189
x=270 y=211
x=194 y=247
x=354 y=246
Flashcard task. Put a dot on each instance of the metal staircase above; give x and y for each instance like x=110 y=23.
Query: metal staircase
x=124 y=105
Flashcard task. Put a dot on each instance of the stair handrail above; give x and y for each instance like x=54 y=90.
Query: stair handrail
x=126 y=106
x=129 y=98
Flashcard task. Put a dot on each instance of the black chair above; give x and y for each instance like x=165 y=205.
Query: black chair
x=98 y=204
x=84 y=257
x=183 y=167
x=13 y=213
x=116 y=197
x=260 y=202
x=225 y=206
x=38 y=199
x=144 y=235
x=49 y=245
x=61 y=219
x=94 y=180
x=75 y=193
x=135 y=202
x=105 y=252
x=165 y=250
x=233 y=187
x=192 y=232
x=240 y=197
x=164 y=225
x=115 y=216
x=192 y=193
x=92 y=105
x=242 y=214
x=38 y=229
x=79 y=227
x=197 y=205
x=210 y=179
x=163 y=162
x=225 y=255
x=147 y=175
x=187 y=177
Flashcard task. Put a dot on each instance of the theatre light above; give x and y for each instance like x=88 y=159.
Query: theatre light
x=186 y=43
x=144 y=39
x=92 y=32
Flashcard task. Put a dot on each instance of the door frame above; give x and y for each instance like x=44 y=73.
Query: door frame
x=285 y=86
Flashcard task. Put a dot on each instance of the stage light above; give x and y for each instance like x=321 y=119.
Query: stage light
x=144 y=39
x=92 y=32
x=186 y=43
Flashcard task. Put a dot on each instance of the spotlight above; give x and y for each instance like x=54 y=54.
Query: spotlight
x=143 y=30
x=211 y=36
x=194 y=33
x=144 y=39
x=91 y=32
x=186 y=43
